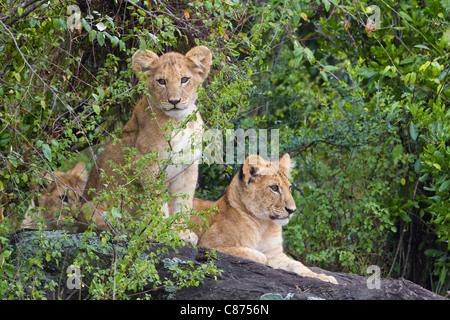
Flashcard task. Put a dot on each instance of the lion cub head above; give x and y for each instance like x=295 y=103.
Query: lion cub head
x=265 y=189
x=173 y=78
x=58 y=198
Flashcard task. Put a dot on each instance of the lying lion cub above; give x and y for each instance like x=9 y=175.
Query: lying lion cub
x=250 y=215
x=58 y=199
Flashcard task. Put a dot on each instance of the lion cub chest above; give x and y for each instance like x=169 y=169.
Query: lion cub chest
x=270 y=237
x=184 y=148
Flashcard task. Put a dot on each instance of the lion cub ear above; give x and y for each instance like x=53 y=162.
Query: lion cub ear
x=79 y=172
x=252 y=167
x=143 y=62
x=285 y=164
x=202 y=59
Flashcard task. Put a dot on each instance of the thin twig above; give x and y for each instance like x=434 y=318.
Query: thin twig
x=31 y=8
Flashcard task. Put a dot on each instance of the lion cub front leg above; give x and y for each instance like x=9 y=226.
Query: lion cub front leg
x=244 y=252
x=280 y=260
x=183 y=187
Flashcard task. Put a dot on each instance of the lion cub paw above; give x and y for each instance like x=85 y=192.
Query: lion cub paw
x=325 y=278
x=188 y=236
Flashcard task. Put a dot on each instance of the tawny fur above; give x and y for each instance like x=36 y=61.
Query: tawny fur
x=250 y=216
x=171 y=98
x=58 y=199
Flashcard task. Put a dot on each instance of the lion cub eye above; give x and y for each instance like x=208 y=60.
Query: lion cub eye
x=275 y=188
x=161 y=81
x=184 y=80
x=64 y=198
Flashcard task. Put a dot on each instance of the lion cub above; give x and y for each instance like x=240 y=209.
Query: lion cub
x=172 y=81
x=257 y=203
x=58 y=199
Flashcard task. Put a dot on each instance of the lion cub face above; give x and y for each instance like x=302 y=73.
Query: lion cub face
x=173 y=78
x=61 y=193
x=266 y=190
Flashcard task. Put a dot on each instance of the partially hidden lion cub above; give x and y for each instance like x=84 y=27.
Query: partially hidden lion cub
x=257 y=203
x=58 y=200
x=172 y=82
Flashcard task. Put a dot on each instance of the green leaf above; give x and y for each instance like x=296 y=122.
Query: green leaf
x=100 y=26
x=413 y=131
x=367 y=73
x=331 y=68
x=85 y=25
x=59 y=24
x=101 y=92
x=413 y=77
x=100 y=38
x=47 y=151
x=271 y=296
x=424 y=66
x=445 y=186
x=443 y=274
x=406 y=16
x=6 y=254
x=433 y=253
x=114 y=41
x=96 y=108
x=418 y=166
x=142 y=44
x=326 y=4
x=92 y=35
x=421 y=46
x=309 y=55
x=405 y=218
x=17 y=76
x=397 y=151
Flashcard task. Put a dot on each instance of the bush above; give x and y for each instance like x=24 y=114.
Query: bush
x=359 y=93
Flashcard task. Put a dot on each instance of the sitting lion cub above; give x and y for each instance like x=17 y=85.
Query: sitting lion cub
x=59 y=199
x=248 y=223
x=155 y=125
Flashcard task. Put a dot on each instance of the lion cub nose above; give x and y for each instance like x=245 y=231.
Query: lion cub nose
x=290 y=211
x=174 y=102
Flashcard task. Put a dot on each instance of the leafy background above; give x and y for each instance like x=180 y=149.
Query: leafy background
x=362 y=107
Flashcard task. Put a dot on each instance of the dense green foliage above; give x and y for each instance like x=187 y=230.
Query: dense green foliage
x=362 y=107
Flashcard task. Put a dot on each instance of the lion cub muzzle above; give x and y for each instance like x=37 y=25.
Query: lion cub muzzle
x=284 y=217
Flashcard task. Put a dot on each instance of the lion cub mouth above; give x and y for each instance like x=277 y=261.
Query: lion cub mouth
x=279 y=218
x=177 y=111
x=174 y=109
x=281 y=221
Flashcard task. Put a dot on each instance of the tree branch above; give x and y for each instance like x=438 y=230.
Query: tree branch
x=32 y=6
